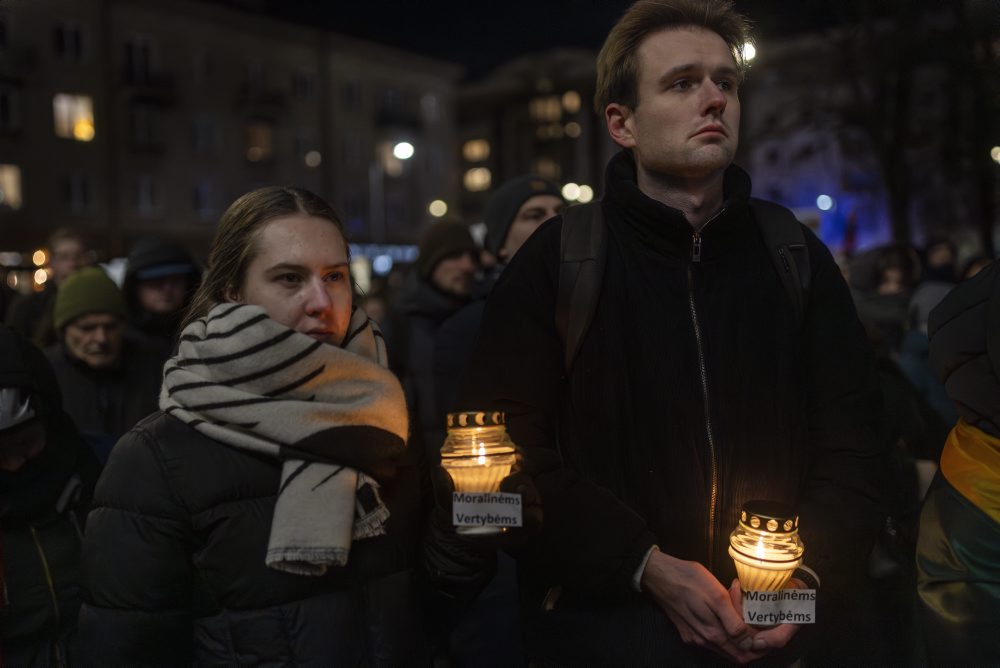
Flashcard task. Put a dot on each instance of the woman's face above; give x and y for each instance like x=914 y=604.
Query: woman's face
x=301 y=276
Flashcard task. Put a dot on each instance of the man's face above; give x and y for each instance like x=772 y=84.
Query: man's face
x=162 y=295
x=456 y=274
x=686 y=123
x=96 y=339
x=67 y=256
x=535 y=211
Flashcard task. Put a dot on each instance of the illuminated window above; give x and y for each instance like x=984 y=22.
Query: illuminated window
x=10 y=186
x=548 y=168
x=544 y=109
x=571 y=101
x=476 y=150
x=477 y=179
x=74 y=116
x=260 y=142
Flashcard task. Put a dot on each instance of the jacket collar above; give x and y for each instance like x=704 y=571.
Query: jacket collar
x=665 y=229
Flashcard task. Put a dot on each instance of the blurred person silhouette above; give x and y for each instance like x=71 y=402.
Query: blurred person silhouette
x=109 y=379
x=940 y=260
x=269 y=513
x=31 y=315
x=488 y=632
x=160 y=280
x=974 y=265
x=958 y=551
x=443 y=283
x=47 y=477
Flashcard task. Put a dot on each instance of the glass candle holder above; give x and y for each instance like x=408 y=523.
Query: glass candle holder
x=477 y=454
x=765 y=546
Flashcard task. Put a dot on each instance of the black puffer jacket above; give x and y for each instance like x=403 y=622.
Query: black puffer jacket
x=174 y=560
x=41 y=511
x=622 y=450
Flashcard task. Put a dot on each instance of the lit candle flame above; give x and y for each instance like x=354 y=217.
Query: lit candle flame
x=760 y=548
x=482 y=454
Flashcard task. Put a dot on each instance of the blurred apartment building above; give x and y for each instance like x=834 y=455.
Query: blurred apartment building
x=125 y=118
x=533 y=114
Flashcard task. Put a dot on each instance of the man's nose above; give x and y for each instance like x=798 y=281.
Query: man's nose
x=714 y=98
x=100 y=334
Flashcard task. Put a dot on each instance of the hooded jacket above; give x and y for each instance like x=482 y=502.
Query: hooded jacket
x=159 y=258
x=41 y=510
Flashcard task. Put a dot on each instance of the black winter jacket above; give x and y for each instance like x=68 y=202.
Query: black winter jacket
x=693 y=381
x=41 y=511
x=174 y=561
x=106 y=403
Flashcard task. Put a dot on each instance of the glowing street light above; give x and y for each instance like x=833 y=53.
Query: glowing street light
x=403 y=150
x=438 y=208
x=571 y=192
x=749 y=51
x=824 y=202
x=995 y=153
x=586 y=194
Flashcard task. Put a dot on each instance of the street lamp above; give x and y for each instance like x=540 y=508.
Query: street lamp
x=388 y=160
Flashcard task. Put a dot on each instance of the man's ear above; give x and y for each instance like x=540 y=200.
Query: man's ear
x=620 y=124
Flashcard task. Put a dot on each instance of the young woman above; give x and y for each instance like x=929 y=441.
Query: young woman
x=269 y=513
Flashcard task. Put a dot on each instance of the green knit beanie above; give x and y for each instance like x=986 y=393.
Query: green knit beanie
x=87 y=291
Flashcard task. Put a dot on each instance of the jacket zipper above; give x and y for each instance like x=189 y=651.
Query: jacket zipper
x=713 y=457
x=48 y=574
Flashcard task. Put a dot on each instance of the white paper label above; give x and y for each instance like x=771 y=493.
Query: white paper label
x=487 y=509
x=788 y=606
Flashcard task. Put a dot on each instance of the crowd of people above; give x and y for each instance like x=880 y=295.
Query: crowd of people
x=237 y=462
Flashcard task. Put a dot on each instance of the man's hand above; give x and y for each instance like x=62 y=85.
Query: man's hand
x=700 y=607
x=772 y=637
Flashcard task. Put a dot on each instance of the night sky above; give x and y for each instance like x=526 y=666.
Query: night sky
x=481 y=35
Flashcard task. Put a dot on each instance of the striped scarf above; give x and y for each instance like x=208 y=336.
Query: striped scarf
x=326 y=412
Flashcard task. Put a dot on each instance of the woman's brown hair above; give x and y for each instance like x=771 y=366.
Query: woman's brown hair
x=233 y=247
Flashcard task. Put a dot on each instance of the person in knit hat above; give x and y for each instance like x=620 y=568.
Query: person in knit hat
x=516 y=210
x=109 y=380
x=447 y=258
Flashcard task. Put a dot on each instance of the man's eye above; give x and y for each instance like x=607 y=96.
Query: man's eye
x=288 y=278
x=726 y=84
x=335 y=276
x=681 y=84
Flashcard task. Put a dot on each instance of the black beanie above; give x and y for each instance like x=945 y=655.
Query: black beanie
x=441 y=240
x=505 y=202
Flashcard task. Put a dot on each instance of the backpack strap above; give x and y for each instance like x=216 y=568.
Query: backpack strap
x=786 y=243
x=582 y=254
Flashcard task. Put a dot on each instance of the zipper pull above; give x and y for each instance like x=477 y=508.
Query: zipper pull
x=696 y=247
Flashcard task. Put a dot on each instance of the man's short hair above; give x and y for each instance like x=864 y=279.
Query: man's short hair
x=618 y=64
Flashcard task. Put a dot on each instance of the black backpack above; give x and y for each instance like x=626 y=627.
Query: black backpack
x=583 y=249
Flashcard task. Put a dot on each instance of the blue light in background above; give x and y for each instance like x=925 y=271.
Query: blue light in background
x=382 y=264
x=824 y=202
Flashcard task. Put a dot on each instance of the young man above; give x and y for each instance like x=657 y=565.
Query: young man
x=697 y=386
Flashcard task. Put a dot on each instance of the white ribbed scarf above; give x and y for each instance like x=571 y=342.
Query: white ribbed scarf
x=247 y=381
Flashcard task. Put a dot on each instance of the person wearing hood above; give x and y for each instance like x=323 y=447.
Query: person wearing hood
x=160 y=281
x=47 y=478
x=958 y=547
